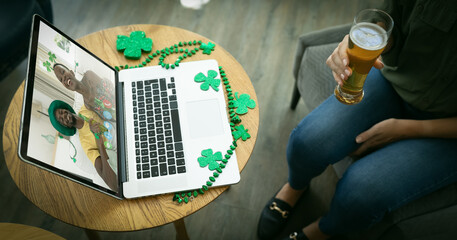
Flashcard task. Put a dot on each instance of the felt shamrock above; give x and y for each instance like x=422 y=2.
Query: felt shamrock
x=242 y=103
x=209 y=159
x=52 y=57
x=47 y=64
x=207 y=48
x=133 y=45
x=240 y=132
x=208 y=81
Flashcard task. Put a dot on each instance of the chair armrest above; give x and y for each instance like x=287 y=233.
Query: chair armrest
x=325 y=36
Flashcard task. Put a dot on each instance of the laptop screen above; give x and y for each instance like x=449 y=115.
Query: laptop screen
x=70 y=122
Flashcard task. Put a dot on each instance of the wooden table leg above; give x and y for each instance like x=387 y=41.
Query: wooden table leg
x=92 y=235
x=181 y=232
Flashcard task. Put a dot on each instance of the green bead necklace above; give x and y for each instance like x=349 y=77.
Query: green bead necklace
x=165 y=52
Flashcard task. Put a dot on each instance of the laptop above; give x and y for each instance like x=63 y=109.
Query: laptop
x=130 y=133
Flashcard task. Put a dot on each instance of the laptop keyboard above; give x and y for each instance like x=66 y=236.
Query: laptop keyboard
x=158 y=142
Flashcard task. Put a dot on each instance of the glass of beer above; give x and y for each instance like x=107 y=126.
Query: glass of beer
x=368 y=37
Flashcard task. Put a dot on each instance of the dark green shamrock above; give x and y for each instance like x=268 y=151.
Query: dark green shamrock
x=52 y=57
x=208 y=81
x=240 y=132
x=133 y=45
x=242 y=103
x=207 y=48
x=209 y=159
x=47 y=64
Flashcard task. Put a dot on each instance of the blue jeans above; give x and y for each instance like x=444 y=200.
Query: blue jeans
x=379 y=182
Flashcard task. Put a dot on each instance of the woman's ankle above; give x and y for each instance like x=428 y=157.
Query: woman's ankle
x=313 y=232
x=289 y=194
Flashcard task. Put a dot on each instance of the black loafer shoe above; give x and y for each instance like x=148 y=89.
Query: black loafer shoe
x=273 y=218
x=297 y=236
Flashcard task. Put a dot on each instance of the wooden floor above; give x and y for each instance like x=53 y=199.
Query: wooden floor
x=262 y=35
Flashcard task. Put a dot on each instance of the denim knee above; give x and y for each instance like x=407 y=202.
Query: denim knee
x=305 y=158
x=302 y=149
x=357 y=204
x=360 y=194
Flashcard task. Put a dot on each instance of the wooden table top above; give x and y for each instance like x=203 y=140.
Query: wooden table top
x=83 y=207
x=13 y=231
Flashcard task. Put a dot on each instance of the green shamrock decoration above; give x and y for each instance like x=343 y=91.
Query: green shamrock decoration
x=47 y=64
x=241 y=132
x=133 y=45
x=242 y=103
x=210 y=159
x=52 y=57
x=208 y=81
x=207 y=48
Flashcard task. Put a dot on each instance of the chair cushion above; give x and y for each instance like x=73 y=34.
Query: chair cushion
x=315 y=80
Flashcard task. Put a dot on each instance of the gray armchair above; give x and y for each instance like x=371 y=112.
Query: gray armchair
x=431 y=217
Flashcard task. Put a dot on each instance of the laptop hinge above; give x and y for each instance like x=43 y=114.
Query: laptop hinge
x=122 y=150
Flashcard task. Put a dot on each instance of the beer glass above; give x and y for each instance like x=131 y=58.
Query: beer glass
x=368 y=37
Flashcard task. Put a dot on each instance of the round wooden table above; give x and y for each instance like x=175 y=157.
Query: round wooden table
x=75 y=204
x=13 y=231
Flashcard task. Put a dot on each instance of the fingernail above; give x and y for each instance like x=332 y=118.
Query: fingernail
x=345 y=62
x=382 y=64
x=358 y=139
x=342 y=76
x=347 y=72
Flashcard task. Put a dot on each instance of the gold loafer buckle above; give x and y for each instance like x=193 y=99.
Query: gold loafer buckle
x=275 y=207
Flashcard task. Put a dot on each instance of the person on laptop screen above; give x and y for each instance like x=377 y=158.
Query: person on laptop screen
x=98 y=93
x=94 y=137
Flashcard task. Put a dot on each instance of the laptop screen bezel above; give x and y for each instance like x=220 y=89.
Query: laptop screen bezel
x=27 y=106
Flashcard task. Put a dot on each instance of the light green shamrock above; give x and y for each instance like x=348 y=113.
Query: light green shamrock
x=52 y=57
x=209 y=159
x=47 y=64
x=208 y=81
x=133 y=45
x=207 y=48
x=241 y=132
x=242 y=103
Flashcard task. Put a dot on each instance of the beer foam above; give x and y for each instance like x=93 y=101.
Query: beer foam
x=368 y=36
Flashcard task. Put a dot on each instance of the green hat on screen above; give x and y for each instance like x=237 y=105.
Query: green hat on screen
x=57 y=104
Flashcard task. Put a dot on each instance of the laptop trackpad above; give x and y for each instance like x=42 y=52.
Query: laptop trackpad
x=204 y=118
x=165 y=184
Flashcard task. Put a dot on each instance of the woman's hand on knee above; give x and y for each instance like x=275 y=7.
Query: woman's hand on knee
x=381 y=134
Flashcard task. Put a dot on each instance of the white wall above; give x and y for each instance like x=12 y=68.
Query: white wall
x=47 y=36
